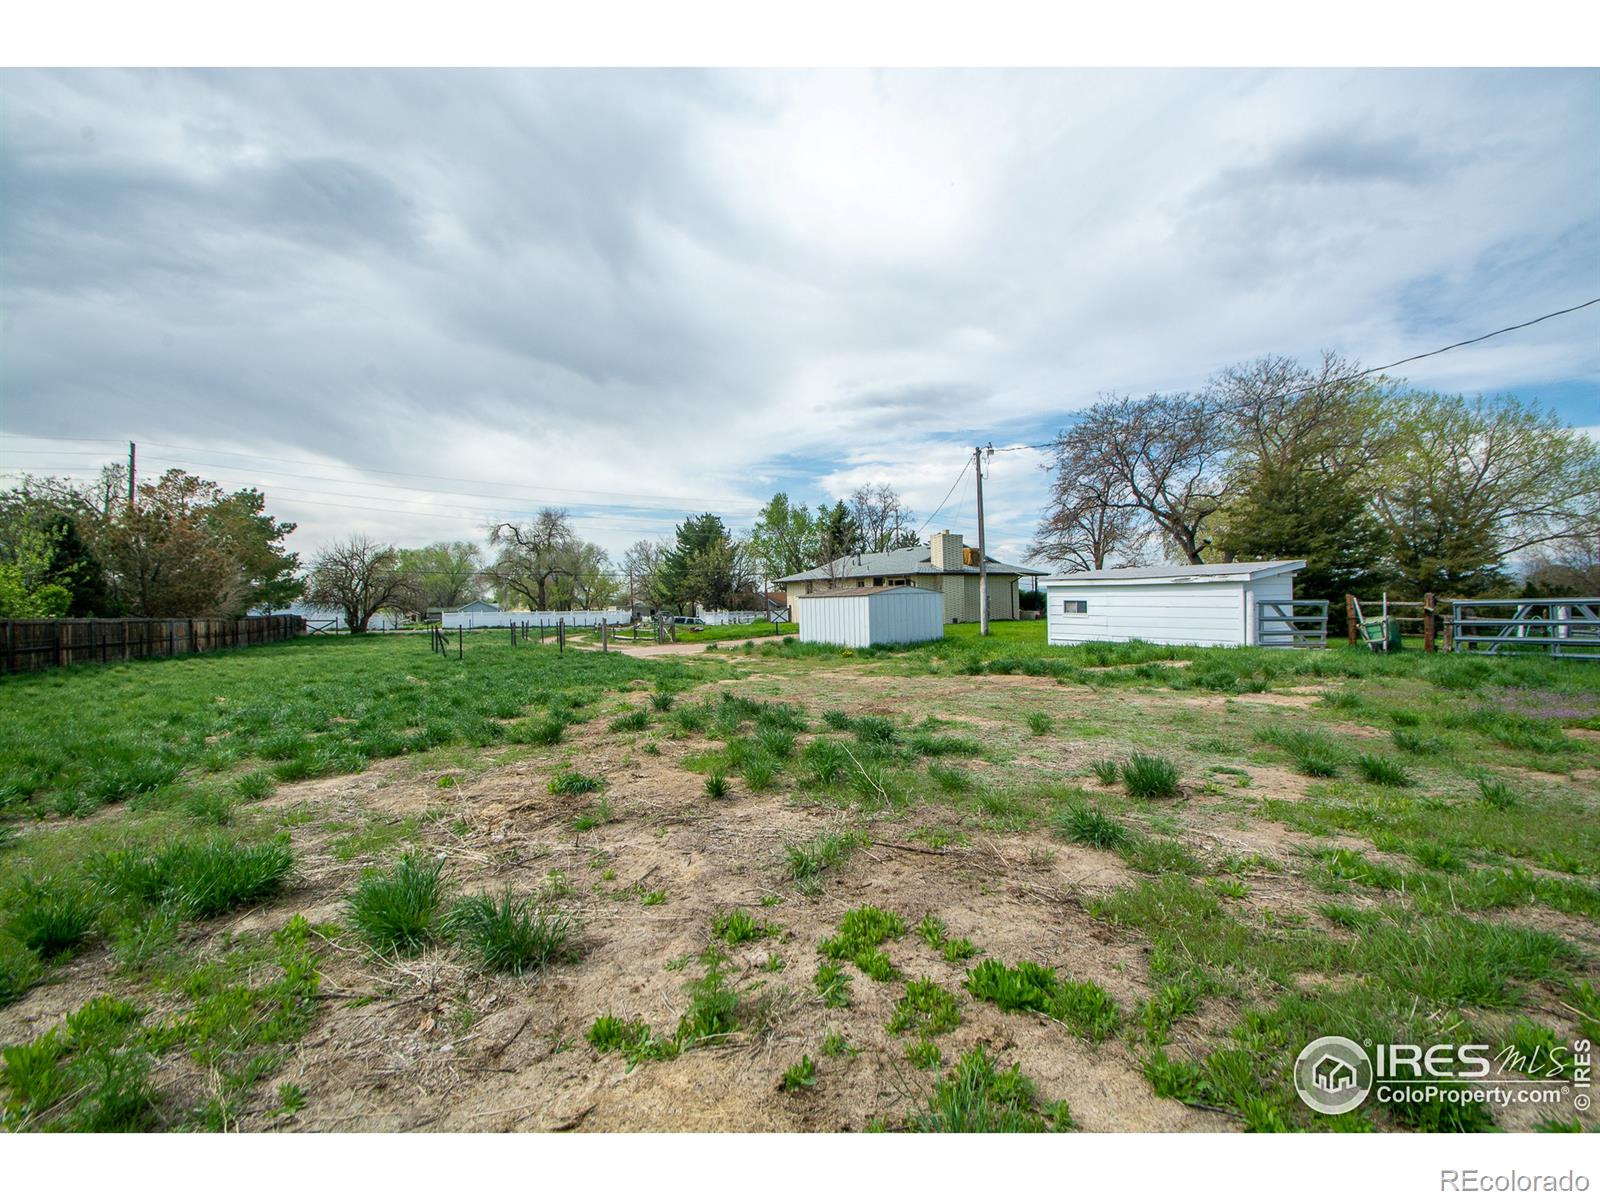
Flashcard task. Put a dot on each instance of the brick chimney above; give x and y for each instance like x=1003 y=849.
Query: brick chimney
x=947 y=551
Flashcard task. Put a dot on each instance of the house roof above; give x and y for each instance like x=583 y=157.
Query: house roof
x=914 y=560
x=1235 y=572
x=838 y=593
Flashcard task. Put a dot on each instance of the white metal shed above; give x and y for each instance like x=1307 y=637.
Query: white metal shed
x=871 y=616
x=1215 y=604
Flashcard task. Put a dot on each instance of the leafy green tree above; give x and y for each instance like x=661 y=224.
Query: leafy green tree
x=1314 y=515
x=785 y=539
x=1464 y=485
x=701 y=549
x=444 y=574
x=1298 y=481
x=837 y=534
x=27 y=587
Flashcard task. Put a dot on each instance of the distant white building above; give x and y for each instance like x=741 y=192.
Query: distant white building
x=1214 y=604
x=870 y=616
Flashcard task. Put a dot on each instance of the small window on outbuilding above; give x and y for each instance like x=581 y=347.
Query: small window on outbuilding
x=1075 y=608
x=877 y=581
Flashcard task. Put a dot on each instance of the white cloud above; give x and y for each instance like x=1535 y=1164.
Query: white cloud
x=693 y=287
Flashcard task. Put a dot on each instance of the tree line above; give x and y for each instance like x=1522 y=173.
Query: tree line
x=1376 y=485
x=180 y=547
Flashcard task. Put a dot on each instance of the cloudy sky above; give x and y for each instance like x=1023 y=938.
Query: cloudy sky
x=409 y=303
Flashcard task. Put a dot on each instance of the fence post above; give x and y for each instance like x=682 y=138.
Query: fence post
x=605 y=640
x=461 y=643
x=1427 y=624
x=561 y=635
x=1350 y=617
x=11 y=648
x=1450 y=631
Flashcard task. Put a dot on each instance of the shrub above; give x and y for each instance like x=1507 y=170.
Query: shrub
x=254 y=785
x=397 y=911
x=545 y=731
x=825 y=761
x=976 y=1097
x=802 y=1075
x=1496 y=793
x=52 y=917
x=1085 y=1008
x=926 y=1009
x=833 y=985
x=631 y=721
x=1150 y=777
x=1088 y=826
x=508 y=934
x=203 y=879
x=1107 y=770
x=874 y=730
x=574 y=783
x=1416 y=743
x=1375 y=769
x=808 y=861
x=759 y=773
x=739 y=926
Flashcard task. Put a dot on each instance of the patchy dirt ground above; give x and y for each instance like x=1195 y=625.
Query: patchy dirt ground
x=430 y=1043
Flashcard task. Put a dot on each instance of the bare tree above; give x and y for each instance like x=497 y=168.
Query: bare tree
x=1087 y=523
x=641 y=564
x=1160 y=458
x=359 y=576
x=882 y=521
x=532 y=555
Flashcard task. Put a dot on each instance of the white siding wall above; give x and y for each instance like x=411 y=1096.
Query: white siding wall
x=875 y=618
x=1171 y=614
x=1274 y=589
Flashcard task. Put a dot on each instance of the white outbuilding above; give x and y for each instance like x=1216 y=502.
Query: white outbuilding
x=1214 y=604
x=870 y=616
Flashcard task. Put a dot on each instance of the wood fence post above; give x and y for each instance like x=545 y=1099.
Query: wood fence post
x=1428 y=646
x=11 y=648
x=1350 y=617
x=605 y=641
x=1450 y=631
x=61 y=650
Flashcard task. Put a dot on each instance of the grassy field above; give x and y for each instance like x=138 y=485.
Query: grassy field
x=977 y=884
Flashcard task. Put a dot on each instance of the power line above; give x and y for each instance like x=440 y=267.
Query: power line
x=1337 y=381
x=961 y=475
x=371 y=483
x=688 y=501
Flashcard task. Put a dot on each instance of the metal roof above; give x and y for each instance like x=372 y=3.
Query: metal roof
x=1186 y=573
x=914 y=560
x=838 y=593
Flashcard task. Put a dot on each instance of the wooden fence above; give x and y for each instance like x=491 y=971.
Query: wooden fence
x=37 y=645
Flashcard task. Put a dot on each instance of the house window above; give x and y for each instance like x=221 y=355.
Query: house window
x=898 y=582
x=877 y=581
x=1075 y=608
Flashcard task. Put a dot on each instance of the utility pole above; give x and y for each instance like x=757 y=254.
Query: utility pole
x=132 y=463
x=983 y=551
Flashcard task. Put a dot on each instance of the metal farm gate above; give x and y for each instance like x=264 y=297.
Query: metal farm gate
x=1292 y=624
x=1564 y=627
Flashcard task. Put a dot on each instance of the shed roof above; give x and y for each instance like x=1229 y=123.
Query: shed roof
x=1235 y=572
x=913 y=560
x=840 y=593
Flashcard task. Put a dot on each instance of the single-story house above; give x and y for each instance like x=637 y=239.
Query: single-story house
x=871 y=616
x=1213 y=604
x=945 y=565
